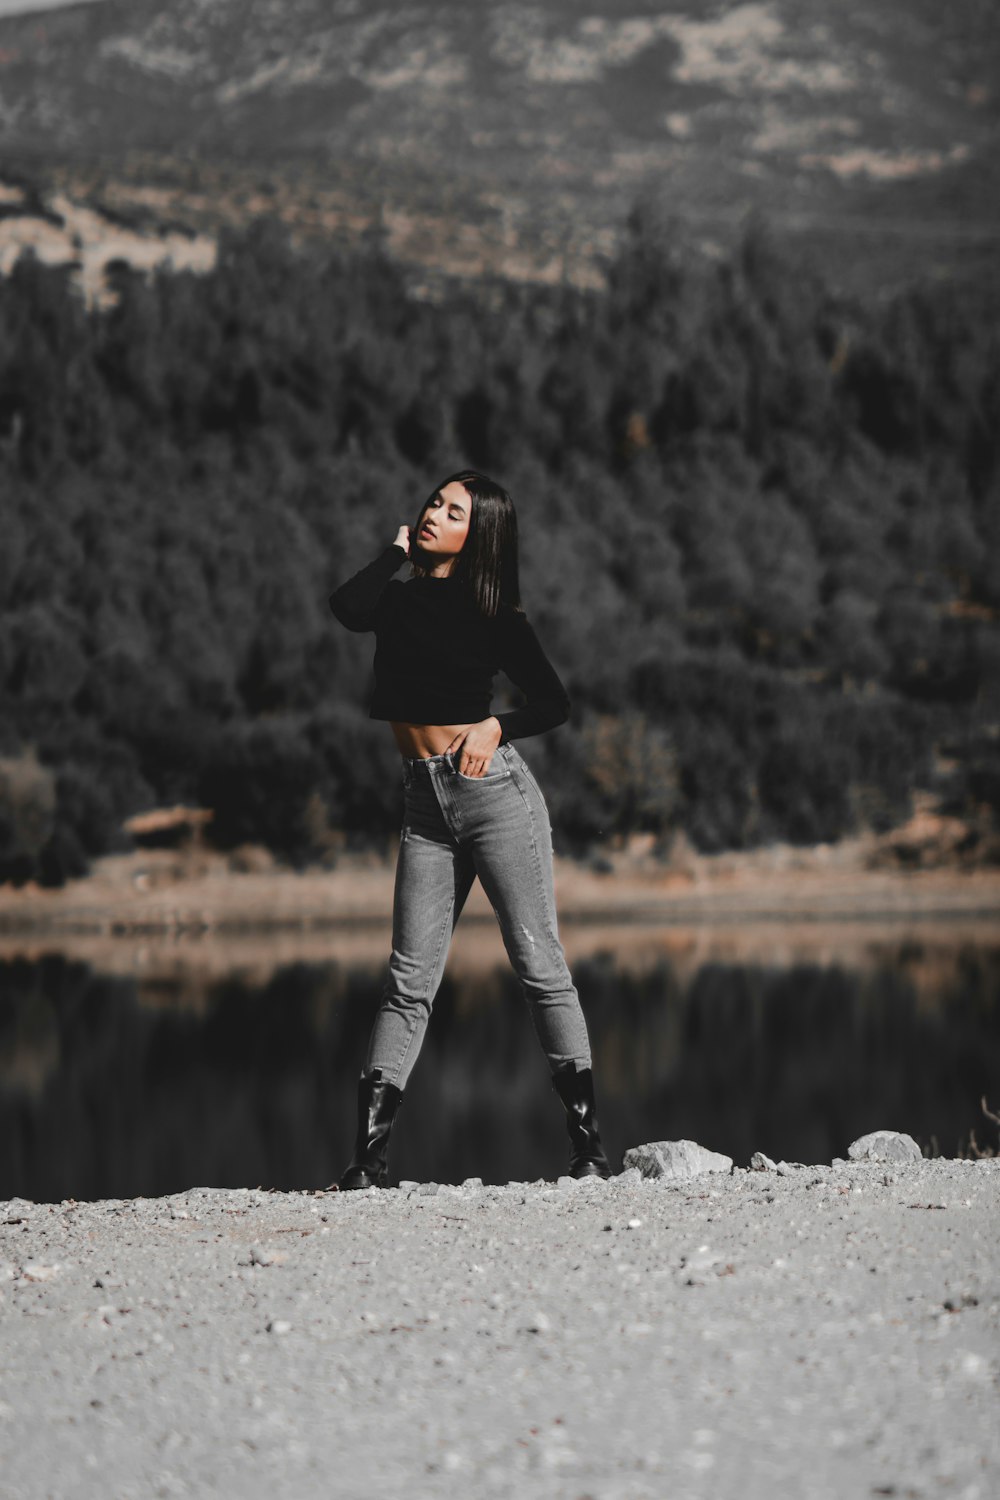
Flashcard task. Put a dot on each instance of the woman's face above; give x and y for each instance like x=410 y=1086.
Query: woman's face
x=444 y=524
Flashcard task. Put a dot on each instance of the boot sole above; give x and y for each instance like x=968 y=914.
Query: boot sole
x=360 y=1183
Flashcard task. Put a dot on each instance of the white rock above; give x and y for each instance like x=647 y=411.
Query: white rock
x=884 y=1145
x=260 y=1255
x=761 y=1163
x=35 y=1272
x=676 y=1161
x=702 y=1258
x=698 y=1262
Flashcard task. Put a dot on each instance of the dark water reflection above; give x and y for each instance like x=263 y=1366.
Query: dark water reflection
x=114 y=1087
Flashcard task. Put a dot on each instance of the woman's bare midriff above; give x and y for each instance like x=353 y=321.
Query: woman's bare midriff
x=418 y=741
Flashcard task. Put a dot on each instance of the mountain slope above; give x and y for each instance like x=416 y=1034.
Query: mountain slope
x=544 y=120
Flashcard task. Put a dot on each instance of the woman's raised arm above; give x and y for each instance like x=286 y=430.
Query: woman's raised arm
x=356 y=602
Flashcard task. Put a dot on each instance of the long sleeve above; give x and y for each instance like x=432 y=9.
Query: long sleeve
x=529 y=669
x=356 y=602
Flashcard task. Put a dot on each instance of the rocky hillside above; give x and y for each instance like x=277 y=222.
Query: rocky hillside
x=515 y=137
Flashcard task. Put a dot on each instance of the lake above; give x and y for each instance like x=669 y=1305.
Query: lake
x=148 y=1069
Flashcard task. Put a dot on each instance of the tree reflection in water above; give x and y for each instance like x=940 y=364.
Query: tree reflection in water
x=113 y=1087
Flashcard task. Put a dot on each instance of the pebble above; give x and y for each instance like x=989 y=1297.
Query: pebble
x=16 y=1209
x=260 y=1255
x=697 y=1264
x=33 y=1271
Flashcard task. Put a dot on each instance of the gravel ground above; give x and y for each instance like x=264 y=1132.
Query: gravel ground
x=814 y=1332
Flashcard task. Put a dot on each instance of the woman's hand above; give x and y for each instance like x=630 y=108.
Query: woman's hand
x=403 y=539
x=477 y=744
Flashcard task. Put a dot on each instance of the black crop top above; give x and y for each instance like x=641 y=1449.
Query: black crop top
x=436 y=654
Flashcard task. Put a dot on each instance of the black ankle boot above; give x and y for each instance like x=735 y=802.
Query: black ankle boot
x=575 y=1087
x=377 y=1106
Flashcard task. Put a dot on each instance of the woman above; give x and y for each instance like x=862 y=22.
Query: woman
x=471 y=805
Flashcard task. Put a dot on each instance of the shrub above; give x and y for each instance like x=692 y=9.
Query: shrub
x=27 y=815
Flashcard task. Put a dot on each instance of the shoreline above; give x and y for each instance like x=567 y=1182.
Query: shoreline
x=189 y=912
x=721 y=1336
x=195 y=891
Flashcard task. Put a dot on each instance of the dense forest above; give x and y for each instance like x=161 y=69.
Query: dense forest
x=760 y=541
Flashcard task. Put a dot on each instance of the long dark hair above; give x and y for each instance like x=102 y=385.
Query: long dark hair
x=487 y=564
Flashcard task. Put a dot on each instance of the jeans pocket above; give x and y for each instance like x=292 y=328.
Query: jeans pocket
x=497 y=770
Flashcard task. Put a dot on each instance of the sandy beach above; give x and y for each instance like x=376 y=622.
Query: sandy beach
x=822 y=1331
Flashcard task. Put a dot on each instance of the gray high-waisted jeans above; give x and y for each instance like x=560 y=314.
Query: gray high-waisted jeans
x=456 y=827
